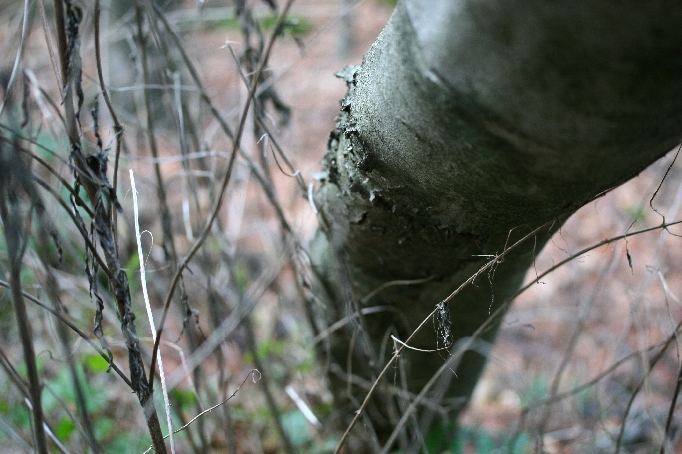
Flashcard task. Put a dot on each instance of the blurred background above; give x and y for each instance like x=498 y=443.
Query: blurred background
x=587 y=360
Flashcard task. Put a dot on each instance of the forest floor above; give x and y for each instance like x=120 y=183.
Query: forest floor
x=574 y=326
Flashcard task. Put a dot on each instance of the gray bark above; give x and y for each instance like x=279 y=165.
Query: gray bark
x=468 y=120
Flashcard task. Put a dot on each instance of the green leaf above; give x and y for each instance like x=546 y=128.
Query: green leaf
x=306 y=366
x=439 y=435
x=133 y=264
x=184 y=397
x=20 y=416
x=270 y=347
x=96 y=363
x=103 y=427
x=40 y=364
x=65 y=428
x=294 y=26
x=241 y=276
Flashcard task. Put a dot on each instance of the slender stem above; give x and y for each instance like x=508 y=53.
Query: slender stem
x=223 y=186
x=265 y=386
x=67 y=93
x=53 y=291
x=72 y=192
x=671 y=410
x=166 y=223
x=96 y=188
x=63 y=319
x=23 y=389
x=12 y=224
x=118 y=128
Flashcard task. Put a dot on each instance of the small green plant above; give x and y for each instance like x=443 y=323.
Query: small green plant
x=293 y=26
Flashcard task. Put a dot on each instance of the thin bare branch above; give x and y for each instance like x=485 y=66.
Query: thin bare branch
x=223 y=186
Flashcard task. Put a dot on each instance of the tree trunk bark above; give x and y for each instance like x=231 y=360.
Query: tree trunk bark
x=468 y=124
